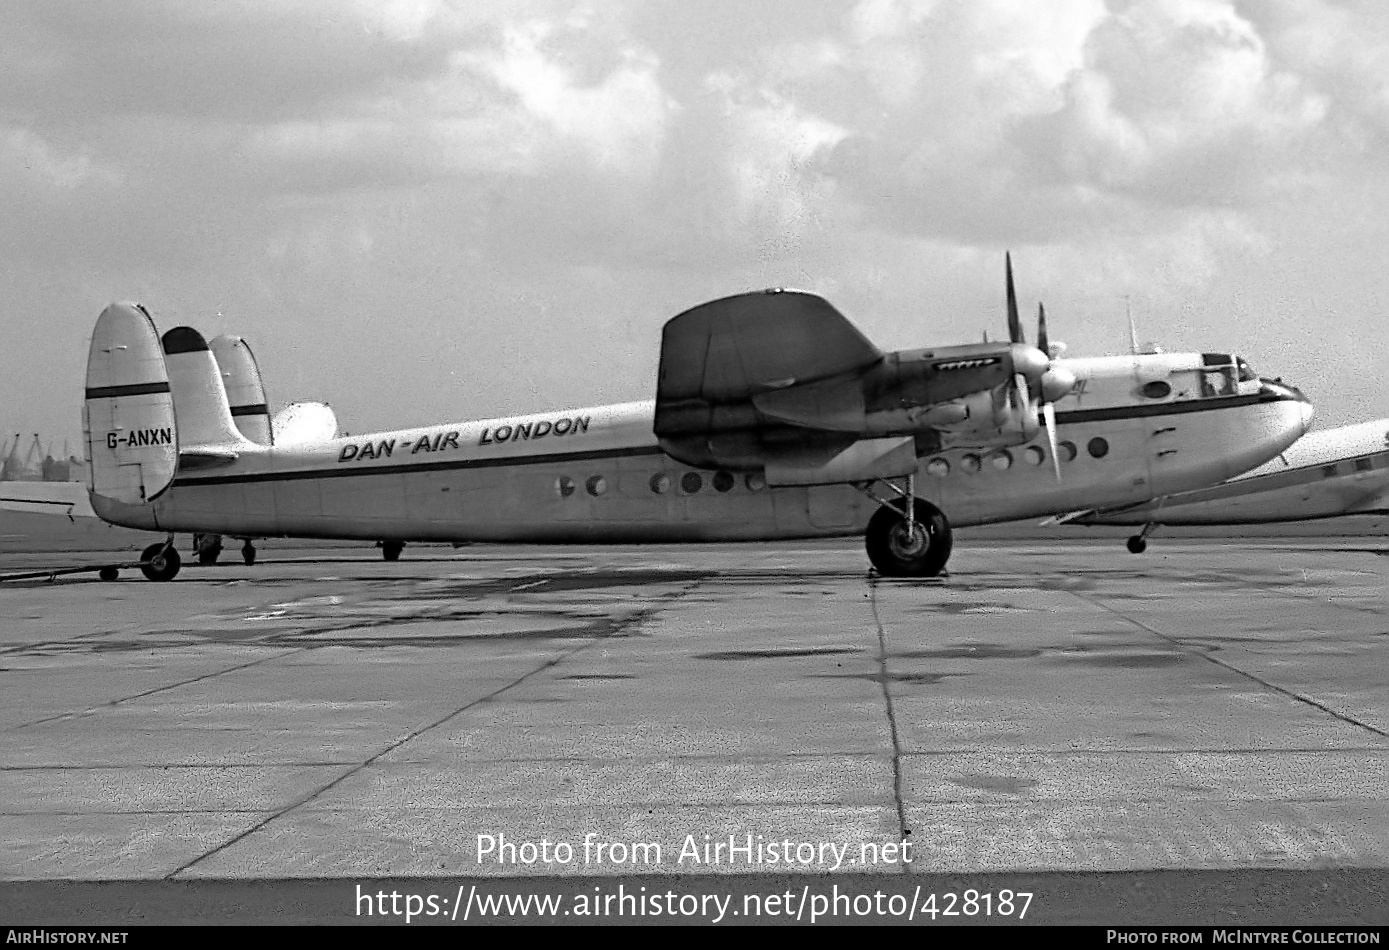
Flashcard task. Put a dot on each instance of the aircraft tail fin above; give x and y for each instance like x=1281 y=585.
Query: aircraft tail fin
x=207 y=431
x=128 y=414
x=245 y=388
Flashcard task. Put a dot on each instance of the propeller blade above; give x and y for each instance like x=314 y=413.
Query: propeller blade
x=1043 y=343
x=1049 y=416
x=1014 y=324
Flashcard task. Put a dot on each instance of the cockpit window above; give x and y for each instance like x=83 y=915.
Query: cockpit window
x=1218 y=382
x=1246 y=375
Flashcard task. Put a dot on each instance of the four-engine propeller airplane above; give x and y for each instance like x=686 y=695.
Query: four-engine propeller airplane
x=774 y=418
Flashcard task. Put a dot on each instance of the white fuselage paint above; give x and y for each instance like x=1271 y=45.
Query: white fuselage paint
x=598 y=474
x=1323 y=475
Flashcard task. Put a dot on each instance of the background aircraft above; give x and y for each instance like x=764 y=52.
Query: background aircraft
x=774 y=418
x=1324 y=474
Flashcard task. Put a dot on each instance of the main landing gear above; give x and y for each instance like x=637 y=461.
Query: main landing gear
x=248 y=552
x=390 y=550
x=208 y=547
x=903 y=542
x=160 y=562
x=1139 y=542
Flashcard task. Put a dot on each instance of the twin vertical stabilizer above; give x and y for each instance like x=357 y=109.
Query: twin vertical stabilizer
x=128 y=415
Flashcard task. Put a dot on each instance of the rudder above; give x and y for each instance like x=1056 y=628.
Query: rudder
x=128 y=415
x=245 y=388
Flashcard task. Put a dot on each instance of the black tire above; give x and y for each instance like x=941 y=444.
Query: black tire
x=390 y=550
x=1137 y=544
x=109 y=573
x=248 y=553
x=209 y=548
x=160 y=562
x=886 y=541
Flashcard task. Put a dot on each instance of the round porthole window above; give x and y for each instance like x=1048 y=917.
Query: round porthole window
x=969 y=463
x=723 y=482
x=690 y=482
x=1067 y=451
x=1157 y=389
x=1001 y=460
x=564 y=486
x=755 y=482
x=1097 y=447
x=1035 y=455
x=660 y=483
x=938 y=467
x=597 y=485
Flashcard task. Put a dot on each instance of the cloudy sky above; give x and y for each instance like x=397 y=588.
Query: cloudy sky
x=429 y=210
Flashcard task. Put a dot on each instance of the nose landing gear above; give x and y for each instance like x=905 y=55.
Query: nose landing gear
x=1139 y=542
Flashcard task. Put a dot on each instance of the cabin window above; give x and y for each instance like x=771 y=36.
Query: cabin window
x=1157 y=389
x=1097 y=447
x=691 y=482
x=1066 y=451
x=1035 y=455
x=1001 y=460
x=660 y=483
x=723 y=482
x=969 y=463
x=564 y=486
x=938 y=468
x=1364 y=465
x=1328 y=471
x=597 y=485
x=755 y=482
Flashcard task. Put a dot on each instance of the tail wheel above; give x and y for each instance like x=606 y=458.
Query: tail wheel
x=390 y=550
x=160 y=562
x=897 y=551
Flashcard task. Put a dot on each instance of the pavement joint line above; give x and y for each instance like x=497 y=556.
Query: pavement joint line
x=636 y=619
x=885 y=684
x=93 y=710
x=1187 y=649
x=1038 y=753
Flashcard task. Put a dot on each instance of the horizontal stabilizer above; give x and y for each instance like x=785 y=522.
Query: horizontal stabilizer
x=198 y=459
x=53 y=498
x=128 y=414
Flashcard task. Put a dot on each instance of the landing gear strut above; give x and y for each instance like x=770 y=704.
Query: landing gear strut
x=160 y=562
x=390 y=550
x=907 y=542
x=248 y=552
x=1139 y=542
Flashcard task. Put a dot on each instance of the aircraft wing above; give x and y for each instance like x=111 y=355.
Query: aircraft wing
x=54 y=498
x=781 y=381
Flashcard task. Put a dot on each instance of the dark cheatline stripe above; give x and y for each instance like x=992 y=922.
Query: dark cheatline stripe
x=1167 y=408
x=184 y=340
x=259 y=409
x=130 y=389
x=348 y=471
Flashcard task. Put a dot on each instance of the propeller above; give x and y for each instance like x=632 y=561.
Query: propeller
x=1053 y=382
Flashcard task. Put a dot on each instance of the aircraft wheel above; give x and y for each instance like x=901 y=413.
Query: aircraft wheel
x=161 y=562
x=248 y=552
x=1137 y=544
x=390 y=550
x=209 y=548
x=896 y=554
x=108 y=573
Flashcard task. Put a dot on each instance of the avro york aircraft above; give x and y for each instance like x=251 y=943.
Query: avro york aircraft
x=774 y=418
x=1342 y=471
